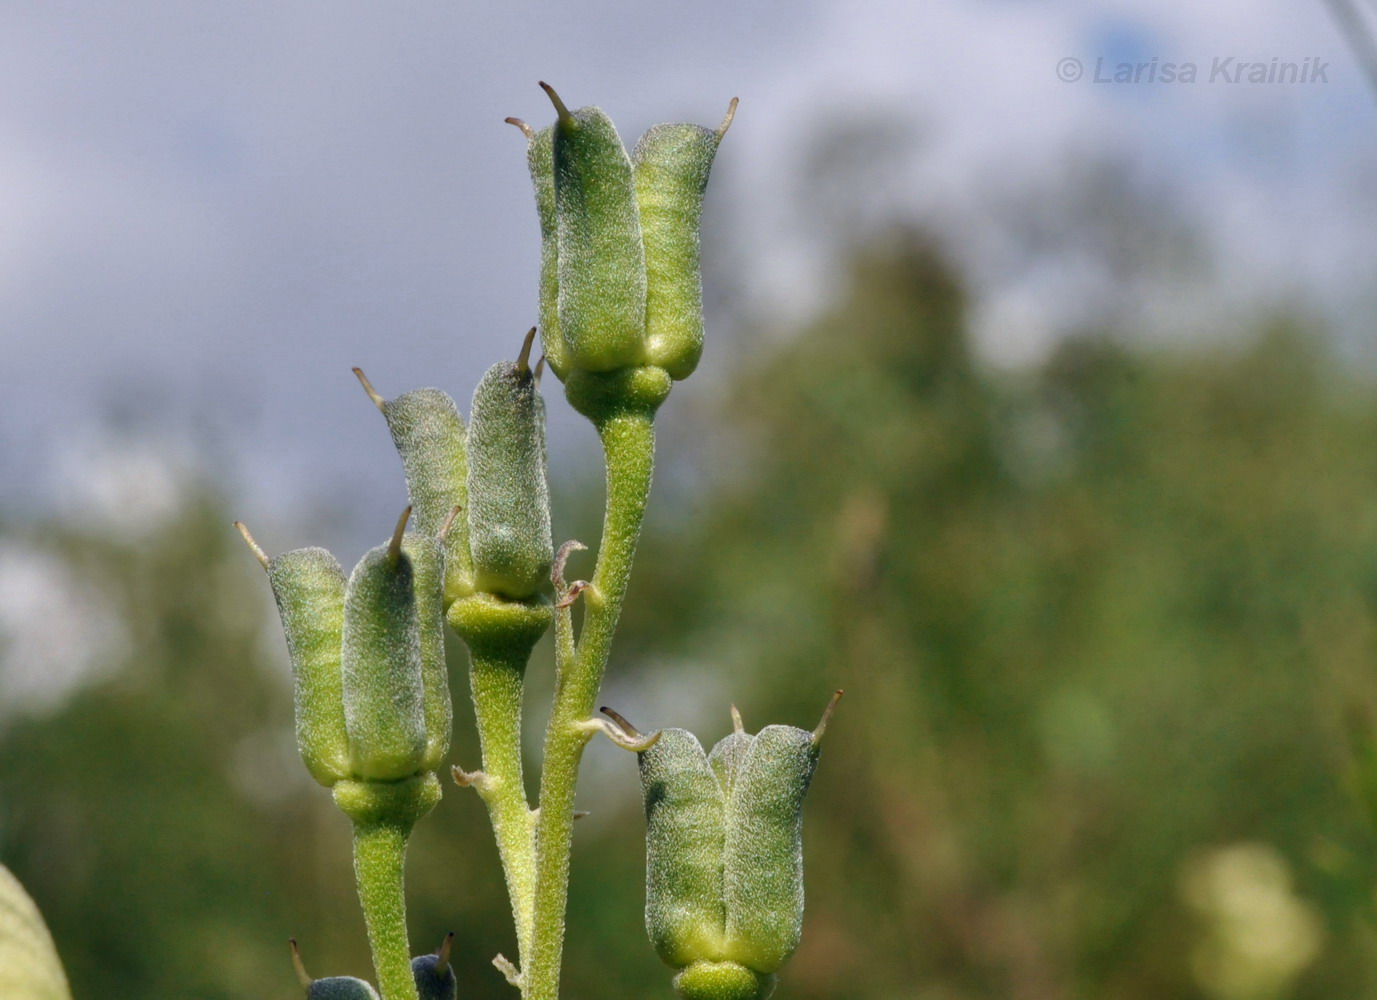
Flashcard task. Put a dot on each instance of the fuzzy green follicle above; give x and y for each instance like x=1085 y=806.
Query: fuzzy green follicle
x=309 y=586
x=540 y=159
x=427 y=555
x=509 y=501
x=671 y=164
x=601 y=259
x=685 y=833
x=429 y=435
x=384 y=692
x=763 y=859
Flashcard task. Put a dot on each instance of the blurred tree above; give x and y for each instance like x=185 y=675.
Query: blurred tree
x=1092 y=619
x=1107 y=628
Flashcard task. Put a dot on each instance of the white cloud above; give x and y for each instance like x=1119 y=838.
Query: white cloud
x=55 y=631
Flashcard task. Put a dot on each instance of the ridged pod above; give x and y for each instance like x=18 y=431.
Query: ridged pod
x=601 y=259
x=309 y=587
x=670 y=165
x=429 y=435
x=685 y=836
x=384 y=694
x=427 y=555
x=763 y=860
x=540 y=159
x=509 y=499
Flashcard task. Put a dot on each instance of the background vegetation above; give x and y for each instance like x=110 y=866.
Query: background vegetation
x=1107 y=625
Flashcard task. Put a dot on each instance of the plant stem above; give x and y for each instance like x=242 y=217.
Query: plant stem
x=628 y=439
x=379 y=859
x=496 y=674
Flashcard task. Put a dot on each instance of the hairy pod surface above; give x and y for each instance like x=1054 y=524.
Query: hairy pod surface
x=685 y=835
x=601 y=258
x=396 y=803
x=602 y=396
x=429 y=435
x=309 y=586
x=540 y=158
x=384 y=694
x=671 y=164
x=509 y=498
x=726 y=759
x=427 y=555
x=340 y=988
x=724 y=855
x=763 y=860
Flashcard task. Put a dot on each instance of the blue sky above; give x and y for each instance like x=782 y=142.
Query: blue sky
x=214 y=211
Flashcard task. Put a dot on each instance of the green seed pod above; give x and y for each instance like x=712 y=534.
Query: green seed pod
x=540 y=158
x=29 y=966
x=763 y=859
x=427 y=555
x=340 y=988
x=509 y=500
x=671 y=164
x=723 y=981
x=601 y=259
x=429 y=435
x=434 y=975
x=384 y=694
x=685 y=833
x=309 y=586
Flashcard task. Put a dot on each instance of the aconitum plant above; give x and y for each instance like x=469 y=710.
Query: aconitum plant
x=620 y=321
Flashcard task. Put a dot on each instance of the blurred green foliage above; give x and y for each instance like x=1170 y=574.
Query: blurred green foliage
x=1107 y=627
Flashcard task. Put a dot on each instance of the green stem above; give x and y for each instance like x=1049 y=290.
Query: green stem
x=500 y=635
x=379 y=859
x=495 y=678
x=628 y=439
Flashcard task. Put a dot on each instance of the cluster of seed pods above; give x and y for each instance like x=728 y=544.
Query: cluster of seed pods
x=620 y=313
